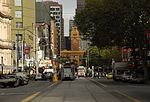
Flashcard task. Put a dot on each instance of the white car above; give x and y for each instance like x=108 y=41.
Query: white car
x=126 y=76
x=38 y=76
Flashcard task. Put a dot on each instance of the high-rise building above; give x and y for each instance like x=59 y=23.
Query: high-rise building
x=62 y=36
x=23 y=31
x=5 y=34
x=43 y=20
x=56 y=10
x=67 y=43
x=71 y=24
x=68 y=38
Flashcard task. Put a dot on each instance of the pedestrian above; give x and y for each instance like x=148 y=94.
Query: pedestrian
x=51 y=76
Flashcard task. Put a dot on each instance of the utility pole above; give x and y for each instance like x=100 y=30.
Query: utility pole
x=17 y=53
x=22 y=52
x=36 y=62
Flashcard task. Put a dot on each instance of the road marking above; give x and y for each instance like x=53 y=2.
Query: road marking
x=37 y=93
x=30 y=97
x=53 y=84
x=129 y=97
x=98 y=82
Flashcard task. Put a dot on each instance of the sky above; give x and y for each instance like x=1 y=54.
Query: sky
x=69 y=7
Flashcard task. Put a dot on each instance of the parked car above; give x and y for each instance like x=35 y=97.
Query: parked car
x=126 y=76
x=38 y=76
x=9 y=80
x=23 y=78
x=48 y=76
x=137 y=78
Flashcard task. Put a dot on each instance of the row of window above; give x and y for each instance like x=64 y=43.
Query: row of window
x=55 y=13
x=20 y=24
x=54 y=9
x=57 y=20
x=18 y=14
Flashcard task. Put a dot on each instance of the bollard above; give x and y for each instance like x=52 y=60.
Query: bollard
x=55 y=78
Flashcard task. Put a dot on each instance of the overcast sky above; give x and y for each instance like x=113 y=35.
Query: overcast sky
x=69 y=7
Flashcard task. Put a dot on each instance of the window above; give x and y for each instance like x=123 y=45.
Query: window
x=19 y=25
x=18 y=2
x=18 y=14
x=57 y=17
x=57 y=21
x=52 y=9
x=57 y=9
x=57 y=24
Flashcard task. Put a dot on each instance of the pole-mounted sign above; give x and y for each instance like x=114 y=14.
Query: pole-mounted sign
x=26 y=50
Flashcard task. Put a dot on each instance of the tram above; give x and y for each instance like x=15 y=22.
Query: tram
x=68 y=72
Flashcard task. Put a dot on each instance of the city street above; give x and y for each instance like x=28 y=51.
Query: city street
x=79 y=90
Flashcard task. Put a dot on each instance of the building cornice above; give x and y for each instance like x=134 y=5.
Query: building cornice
x=6 y=16
x=5 y=44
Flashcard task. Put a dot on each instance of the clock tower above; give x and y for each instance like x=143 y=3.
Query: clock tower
x=74 y=39
x=75 y=53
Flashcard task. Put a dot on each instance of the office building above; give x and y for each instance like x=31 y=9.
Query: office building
x=23 y=32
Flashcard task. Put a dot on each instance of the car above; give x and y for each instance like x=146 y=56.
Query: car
x=9 y=80
x=48 y=76
x=23 y=78
x=137 y=79
x=126 y=76
x=38 y=76
x=109 y=75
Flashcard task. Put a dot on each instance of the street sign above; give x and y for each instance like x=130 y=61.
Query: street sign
x=26 y=50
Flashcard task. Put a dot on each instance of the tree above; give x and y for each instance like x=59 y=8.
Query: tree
x=114 y=22
x=100 y=57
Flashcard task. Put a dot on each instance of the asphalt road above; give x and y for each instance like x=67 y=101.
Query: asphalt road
x=134 y=92
x=17 y=94
x=79 y=90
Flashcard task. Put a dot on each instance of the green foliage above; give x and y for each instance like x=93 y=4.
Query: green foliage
x=99 y=57
x=114 y=22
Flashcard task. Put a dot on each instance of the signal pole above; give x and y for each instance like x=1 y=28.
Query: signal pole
x=17 y=54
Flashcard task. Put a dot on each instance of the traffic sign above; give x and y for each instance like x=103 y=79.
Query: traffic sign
x=26 y=50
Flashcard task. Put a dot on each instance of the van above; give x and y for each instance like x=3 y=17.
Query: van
x=118 y=69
